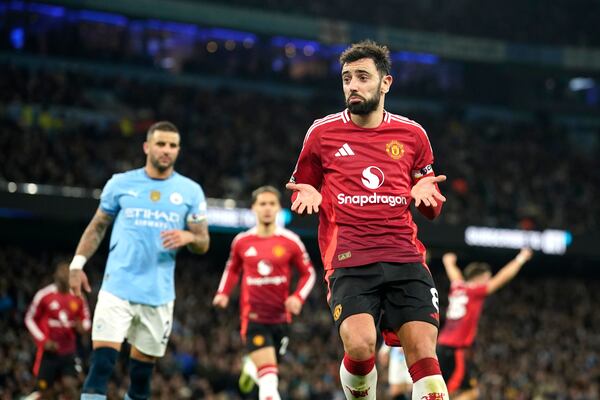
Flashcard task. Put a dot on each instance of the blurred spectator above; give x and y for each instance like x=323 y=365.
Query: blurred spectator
x=507 y=20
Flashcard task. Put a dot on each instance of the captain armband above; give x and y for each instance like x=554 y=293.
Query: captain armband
x=419 y=173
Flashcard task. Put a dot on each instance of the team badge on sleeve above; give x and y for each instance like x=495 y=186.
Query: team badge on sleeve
x=195 y=218
x=198 y=216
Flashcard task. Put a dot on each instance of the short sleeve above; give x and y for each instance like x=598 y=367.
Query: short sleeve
x=308 y=167
x=109 y=200
x=424 y=156
x=198 y=209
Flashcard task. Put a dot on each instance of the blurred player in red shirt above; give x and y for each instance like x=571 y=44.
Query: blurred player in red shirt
x=466 y=298
x=361 y=169
x=54 y=319
x=263 y=256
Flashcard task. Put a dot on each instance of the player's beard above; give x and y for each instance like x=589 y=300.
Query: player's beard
x=364 y=107
x=159 y=166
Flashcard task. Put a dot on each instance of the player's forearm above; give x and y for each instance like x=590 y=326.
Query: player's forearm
x=90 y=240
x=306 y=282
x=93 y=235
x=453 y=272
x=200 y=245
x=511 y=269
x=505 y=275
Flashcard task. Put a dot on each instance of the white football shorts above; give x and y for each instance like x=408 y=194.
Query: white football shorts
x=146 y=327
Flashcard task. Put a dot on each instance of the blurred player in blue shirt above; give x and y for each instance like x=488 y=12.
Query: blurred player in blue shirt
x=155 y=211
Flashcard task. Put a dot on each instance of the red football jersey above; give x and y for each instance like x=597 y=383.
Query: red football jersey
x=264 y=263
x=365 y=177
x=52 y=316
x=464 y=309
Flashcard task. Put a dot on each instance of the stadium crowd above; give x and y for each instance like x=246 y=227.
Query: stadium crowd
x=233 y=141
x=528 y=343
x=465 y=17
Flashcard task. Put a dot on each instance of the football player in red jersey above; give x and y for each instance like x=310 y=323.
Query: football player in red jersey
x=54 y=318
x=361 y=169
x=263 y=256
x=466 y=298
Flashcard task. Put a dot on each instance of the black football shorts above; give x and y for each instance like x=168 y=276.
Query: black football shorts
x=392 y=293
x=457 y=368
x=54 y=366
x=266 y=335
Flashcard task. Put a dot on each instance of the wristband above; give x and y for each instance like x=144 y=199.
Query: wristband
x=78 y=262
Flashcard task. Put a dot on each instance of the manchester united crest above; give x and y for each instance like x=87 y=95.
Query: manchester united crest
x=73 y=305
x=155 y=195
x=337 y=312
x=395 y=149
x=258 y=340
x=278 y=251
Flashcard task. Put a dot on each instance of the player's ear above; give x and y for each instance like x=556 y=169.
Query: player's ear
x=386 y=83
x=146 y=146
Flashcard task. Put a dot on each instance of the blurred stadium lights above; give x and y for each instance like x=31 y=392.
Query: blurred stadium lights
x=550 y=241
x=421 y=58
x=45 y=9
x=32 y=188
x=577 y=84
x=293 y=46
x=17 y=38
x=101 y=17
x=228 y=34
x=240 y=218
x=223 y=214
x=281 y=41
x=175 y=27
x=38 y=189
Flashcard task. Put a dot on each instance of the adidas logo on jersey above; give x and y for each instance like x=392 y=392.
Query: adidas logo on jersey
x=251 y=252
x=344 y=151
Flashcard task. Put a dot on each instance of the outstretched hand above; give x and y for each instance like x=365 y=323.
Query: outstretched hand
x=308 y=199
x=425 y=191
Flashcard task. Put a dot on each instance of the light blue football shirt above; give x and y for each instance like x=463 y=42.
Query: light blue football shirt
x=139 y=268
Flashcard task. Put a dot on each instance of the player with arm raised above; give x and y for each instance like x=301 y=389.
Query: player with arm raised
x=263 y=256
x=361 y=169
x=466 y=298
x=156 y=212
